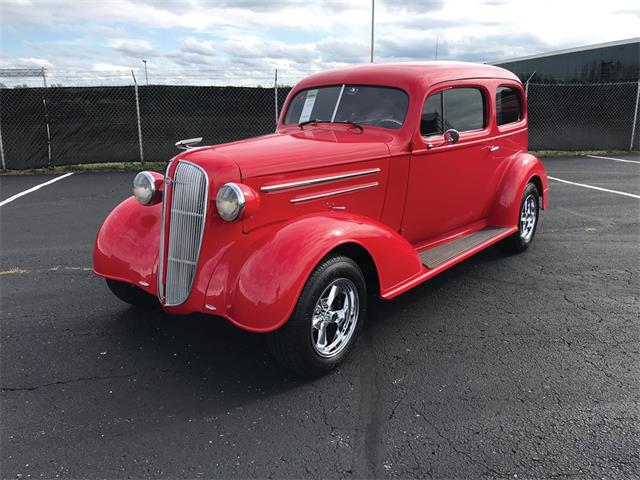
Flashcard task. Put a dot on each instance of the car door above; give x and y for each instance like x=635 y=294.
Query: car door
x=447 y=187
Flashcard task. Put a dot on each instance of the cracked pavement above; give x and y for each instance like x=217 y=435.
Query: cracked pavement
x=522 y=366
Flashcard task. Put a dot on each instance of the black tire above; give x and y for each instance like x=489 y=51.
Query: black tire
x=294 y=344
x=132 y=295
x=520 y=241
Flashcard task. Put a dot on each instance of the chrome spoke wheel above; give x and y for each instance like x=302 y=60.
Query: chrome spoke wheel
x=528 y=217
x=335 y=317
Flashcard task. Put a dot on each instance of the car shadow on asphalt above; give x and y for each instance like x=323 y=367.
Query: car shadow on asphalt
x=197 y=349
x=202 y=352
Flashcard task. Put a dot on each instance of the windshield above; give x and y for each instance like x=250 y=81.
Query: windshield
x=384 y=107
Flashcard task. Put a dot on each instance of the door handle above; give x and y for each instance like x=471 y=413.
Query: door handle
x=494 y=148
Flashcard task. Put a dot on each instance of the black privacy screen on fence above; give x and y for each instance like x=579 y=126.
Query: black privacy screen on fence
x=582 y=116
x=217 y=114
x=24 y=129
x=86 y=125
x=100 y=124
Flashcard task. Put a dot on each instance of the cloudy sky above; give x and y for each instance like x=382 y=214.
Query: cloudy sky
x=243 y=41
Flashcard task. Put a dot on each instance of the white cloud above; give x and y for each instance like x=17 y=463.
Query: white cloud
x=198 y=47
x=109 y=67
x=242 y=41
x=132 y=47
x=22 y=62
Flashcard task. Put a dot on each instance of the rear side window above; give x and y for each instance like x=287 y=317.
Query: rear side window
x=459 y=108
x=508 y=105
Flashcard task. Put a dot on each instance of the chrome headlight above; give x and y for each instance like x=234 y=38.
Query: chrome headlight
x=230 y=202
x=144 y=188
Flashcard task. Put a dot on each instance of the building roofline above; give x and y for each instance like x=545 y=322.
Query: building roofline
x=568 y=50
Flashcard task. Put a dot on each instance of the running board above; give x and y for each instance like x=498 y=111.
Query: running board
x=437 y=256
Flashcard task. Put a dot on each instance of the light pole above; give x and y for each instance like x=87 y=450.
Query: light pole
x=146 y=77
x=373 y=9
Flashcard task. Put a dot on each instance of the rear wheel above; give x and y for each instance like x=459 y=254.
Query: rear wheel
x=132 y=295
x=527 y=221
x=326 y=320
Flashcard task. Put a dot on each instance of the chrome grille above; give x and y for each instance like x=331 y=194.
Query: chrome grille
x=186 y=217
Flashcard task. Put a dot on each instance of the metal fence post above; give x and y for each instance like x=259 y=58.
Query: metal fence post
x=275 y=95
x=46 y=117
x=4 y=164
x=526 y=85
x=135 y=86
x=635 y=117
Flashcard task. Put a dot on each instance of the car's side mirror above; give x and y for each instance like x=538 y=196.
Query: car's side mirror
x=450 y=136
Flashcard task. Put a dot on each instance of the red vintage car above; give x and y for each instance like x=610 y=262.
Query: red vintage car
x=377 y=178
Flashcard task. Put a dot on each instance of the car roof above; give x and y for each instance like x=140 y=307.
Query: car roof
x=406 y=75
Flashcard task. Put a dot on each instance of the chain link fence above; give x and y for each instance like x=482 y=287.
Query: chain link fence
x=53 y=126
x=579 y=116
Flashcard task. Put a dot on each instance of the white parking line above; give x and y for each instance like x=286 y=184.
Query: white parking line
x=614 y=159
x=595 y=188
x=33 y=189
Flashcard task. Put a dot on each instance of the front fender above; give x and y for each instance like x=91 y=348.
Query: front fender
x=258 y=281
x=523 y=168
x=126 y=247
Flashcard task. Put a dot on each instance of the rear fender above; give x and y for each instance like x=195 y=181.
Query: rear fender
x=126 y=247
x=258 y=281
x=524 y=168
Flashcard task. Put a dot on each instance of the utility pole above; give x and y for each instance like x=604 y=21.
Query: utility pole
x=436 y=55
x=373 y=10
x=146 y=77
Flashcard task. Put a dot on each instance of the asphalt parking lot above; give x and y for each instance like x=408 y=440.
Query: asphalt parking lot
x=521 y=366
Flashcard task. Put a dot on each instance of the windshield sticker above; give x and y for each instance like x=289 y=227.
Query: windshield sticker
x=308 y=105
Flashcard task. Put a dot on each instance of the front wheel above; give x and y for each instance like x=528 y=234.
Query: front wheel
x=527 y=221
x=326 y=320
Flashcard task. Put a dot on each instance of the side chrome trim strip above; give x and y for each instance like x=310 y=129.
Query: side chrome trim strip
x=334 y=192
x=315 y=181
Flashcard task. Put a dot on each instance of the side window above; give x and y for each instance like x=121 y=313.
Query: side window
x=464 y=109
x=508 y=105
x=432 y=120
x=459 y=108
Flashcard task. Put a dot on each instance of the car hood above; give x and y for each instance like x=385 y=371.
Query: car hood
x=303 y=149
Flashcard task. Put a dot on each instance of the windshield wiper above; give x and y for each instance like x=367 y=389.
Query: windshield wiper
x=353 y=124
x=313 y=120
x=347 y=122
